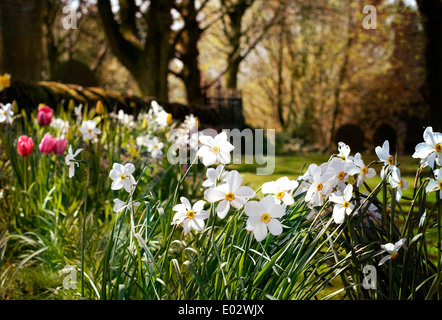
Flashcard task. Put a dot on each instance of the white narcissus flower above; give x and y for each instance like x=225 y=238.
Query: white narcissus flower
x=338 y=170
x=192 y=217
x=162 y=118
x=361 y=170
x=154 y=146
x=263 y=216
x=319 y=188
x=142 y=141
x=281 y=189
x=70 y=160
x=214 y=176
x=392 y=250
x=397 y=182
x=342 y=205
x=384 y=155
x=429 y=151
x=122 y=177
x=190 y=122
x=215 y=149
x=89 y=130
x=229 y=193
x=6 y=113
x=121 y=205
x=344 y=152
x=435 y=184
x=77 y=111
x=60 y=124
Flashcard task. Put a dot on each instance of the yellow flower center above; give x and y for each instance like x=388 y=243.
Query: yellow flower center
x=169 y=119
x=216 y=149
x=230 y=196
x=346 y=204
x=438 y=147
x=190 y=214
x=123 y=176
x=401 y=183
x=341 y=175
x=155 y=146
x=440 y=184
x=280 y=195
x=319 y=187
x=265 y=218
x=390 y=161
x=364 y=170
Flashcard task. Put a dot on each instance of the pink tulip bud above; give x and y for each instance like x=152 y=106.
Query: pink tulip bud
x=44 y=115
x=60 y=146
x=47 y=144
x=24 y=146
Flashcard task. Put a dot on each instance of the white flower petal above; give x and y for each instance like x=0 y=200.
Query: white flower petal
x=275 y=227
x=223 y=208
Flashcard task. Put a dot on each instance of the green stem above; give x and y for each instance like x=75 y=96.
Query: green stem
x=83 y=231
x=439 y=213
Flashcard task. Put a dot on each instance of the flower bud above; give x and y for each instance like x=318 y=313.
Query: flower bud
x=100 y=107
x=24 y=146
x=60 y=146
x=47 y=144
x=44 y=115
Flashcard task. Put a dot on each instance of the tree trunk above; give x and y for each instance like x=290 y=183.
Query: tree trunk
x=148 y=63
x=431 y=11
x=188 y=42
x=232 y=74
x=21 y=35
x=158 y=49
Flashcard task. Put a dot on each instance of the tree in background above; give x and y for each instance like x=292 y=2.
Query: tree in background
x=431 y=11
x=143 y=46
x=21 y=38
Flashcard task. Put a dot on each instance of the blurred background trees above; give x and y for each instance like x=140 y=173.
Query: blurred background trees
x=309 y=69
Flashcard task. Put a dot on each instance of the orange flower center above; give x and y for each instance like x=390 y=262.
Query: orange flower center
x=319 y=187
x=190 y=214
x=346 y=204
x=364 y=170
x=401 y=183
x=438 y=147
x=216 y=149
x=394 y=255
x=230 y=196
x=341 y=175
x=265 y=218
x=390 y=161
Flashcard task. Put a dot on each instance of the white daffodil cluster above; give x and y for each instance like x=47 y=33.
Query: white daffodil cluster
x=430 y=153
x=330 y=182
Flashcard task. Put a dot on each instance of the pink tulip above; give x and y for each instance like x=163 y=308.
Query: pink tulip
x=44 y=115
x=47 y=144
x=60 y=146
x=24 y=146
